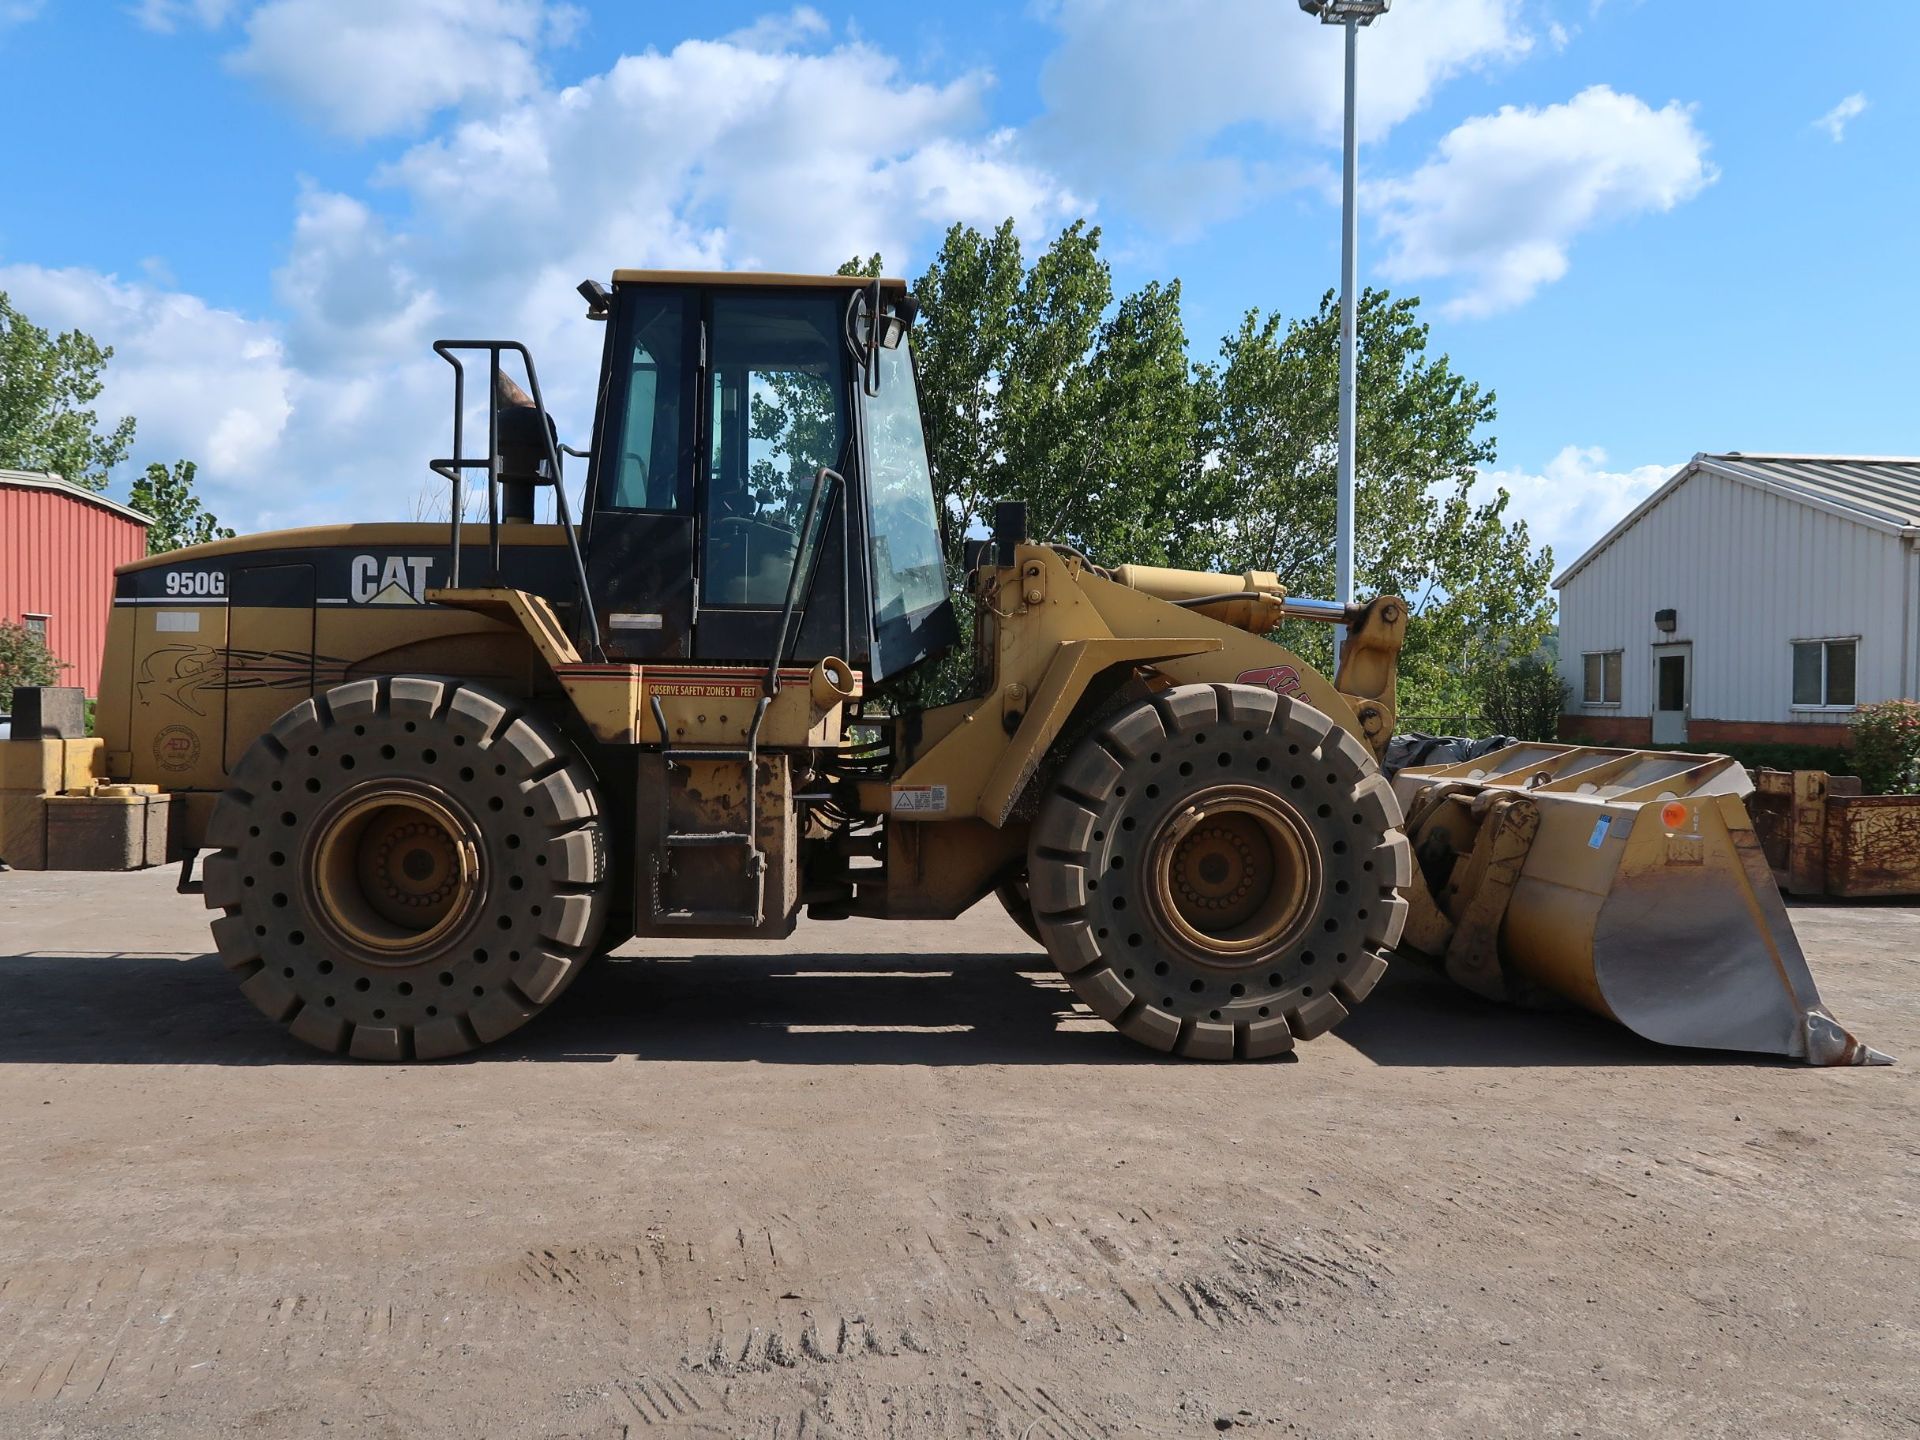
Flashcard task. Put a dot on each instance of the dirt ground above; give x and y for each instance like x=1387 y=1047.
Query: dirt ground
x=881 y=1181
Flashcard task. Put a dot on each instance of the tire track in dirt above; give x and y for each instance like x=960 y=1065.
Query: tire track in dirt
x=744 y=1311
x=74 y=1330
x=752 y=1300
x=853 y=1408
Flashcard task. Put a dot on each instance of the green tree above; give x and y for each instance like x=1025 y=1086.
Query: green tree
x=47 y=385
x=960 y=345
x=1037 y=384
x=1477 y=589
x=24 y=660
x=167 y=497
x=962 y=342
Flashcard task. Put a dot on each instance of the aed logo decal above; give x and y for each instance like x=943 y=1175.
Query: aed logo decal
x=196 y=582
x=1281 y=679
x=393 y=580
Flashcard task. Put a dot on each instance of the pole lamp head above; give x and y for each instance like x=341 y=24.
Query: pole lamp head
x=1343 y=12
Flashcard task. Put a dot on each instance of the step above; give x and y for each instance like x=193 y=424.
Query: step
x=707 y=917
x=709 y=837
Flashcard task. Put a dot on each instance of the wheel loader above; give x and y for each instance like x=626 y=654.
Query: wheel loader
x=440 y=767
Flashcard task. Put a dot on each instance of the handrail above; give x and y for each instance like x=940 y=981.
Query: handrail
x=453 y=468
x=800 y=565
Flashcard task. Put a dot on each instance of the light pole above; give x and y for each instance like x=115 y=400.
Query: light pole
x=1352 y=14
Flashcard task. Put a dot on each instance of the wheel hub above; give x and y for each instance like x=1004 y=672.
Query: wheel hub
x=393 y=869
x=1233 y=875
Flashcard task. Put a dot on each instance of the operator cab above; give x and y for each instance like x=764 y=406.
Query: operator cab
x=722 y=397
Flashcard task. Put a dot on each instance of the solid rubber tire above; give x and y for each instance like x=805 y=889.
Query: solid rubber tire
x=1124 y=781
x=1012 y=893
x=543 y=890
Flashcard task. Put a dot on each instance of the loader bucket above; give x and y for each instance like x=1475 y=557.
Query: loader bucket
x=1629 y=882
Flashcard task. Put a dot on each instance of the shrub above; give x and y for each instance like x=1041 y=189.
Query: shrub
x=24 y=660
x=1524 y=698
x=1886 y=747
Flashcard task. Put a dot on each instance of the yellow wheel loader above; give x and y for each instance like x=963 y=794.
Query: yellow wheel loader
x=441 y=767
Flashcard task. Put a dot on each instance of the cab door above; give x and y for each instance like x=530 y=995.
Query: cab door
x=776 y=409
x=641 y=517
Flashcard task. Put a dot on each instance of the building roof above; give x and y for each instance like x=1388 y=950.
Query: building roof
x=42 y=480
x=1881 y=492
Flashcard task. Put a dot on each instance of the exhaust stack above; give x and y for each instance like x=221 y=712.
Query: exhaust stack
x=523 y=451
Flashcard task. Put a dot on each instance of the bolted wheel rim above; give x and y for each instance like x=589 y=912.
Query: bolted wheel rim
x=393 y=870
x=1235 y=875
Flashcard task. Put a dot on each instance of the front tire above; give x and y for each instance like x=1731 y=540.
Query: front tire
x=1017 y=898
x=1215 y=871
x=408 y=868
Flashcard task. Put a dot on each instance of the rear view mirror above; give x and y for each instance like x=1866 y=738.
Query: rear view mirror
x=868 y=339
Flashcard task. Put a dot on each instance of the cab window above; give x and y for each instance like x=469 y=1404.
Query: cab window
x=651 y=473
x=778 y=404
x=909 y=573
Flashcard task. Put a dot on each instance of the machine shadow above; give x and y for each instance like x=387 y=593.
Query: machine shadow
x=111 y=1008
x=1416 y=1016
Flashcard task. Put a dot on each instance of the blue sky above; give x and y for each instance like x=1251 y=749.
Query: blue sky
x=1652 y=226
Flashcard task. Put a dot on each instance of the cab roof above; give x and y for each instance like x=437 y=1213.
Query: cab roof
x=749 y=277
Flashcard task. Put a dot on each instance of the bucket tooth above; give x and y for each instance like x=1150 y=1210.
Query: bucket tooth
x=1829 y=1043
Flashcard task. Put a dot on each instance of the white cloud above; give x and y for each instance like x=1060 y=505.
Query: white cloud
x=780 y=32
x=206 y=384
x=1835 y=121
x=167 y=16
x=712 y=154
x=375 y=67
x=1505 y=195
x=1139 y=93
x=1574 y=500
x=18 y=12
x=349 y=293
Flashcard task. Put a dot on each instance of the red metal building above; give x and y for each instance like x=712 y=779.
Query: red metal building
x=58 y=547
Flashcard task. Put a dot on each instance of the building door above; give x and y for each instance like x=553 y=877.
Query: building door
x=1672 y=693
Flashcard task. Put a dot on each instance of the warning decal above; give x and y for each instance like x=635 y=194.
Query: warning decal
x=704 y=689
x=919 y=799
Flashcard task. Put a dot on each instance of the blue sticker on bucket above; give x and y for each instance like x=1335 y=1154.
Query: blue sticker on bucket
x=1600 y=828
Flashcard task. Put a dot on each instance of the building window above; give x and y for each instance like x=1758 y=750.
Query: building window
x=1823 y=673
x=35 y=626
x=1602 y=677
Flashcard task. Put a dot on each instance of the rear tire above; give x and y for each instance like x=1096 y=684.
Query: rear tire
x=407 y=869
x=1215 y=871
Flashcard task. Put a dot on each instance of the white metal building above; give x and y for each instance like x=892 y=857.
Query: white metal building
x=1750 y=598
